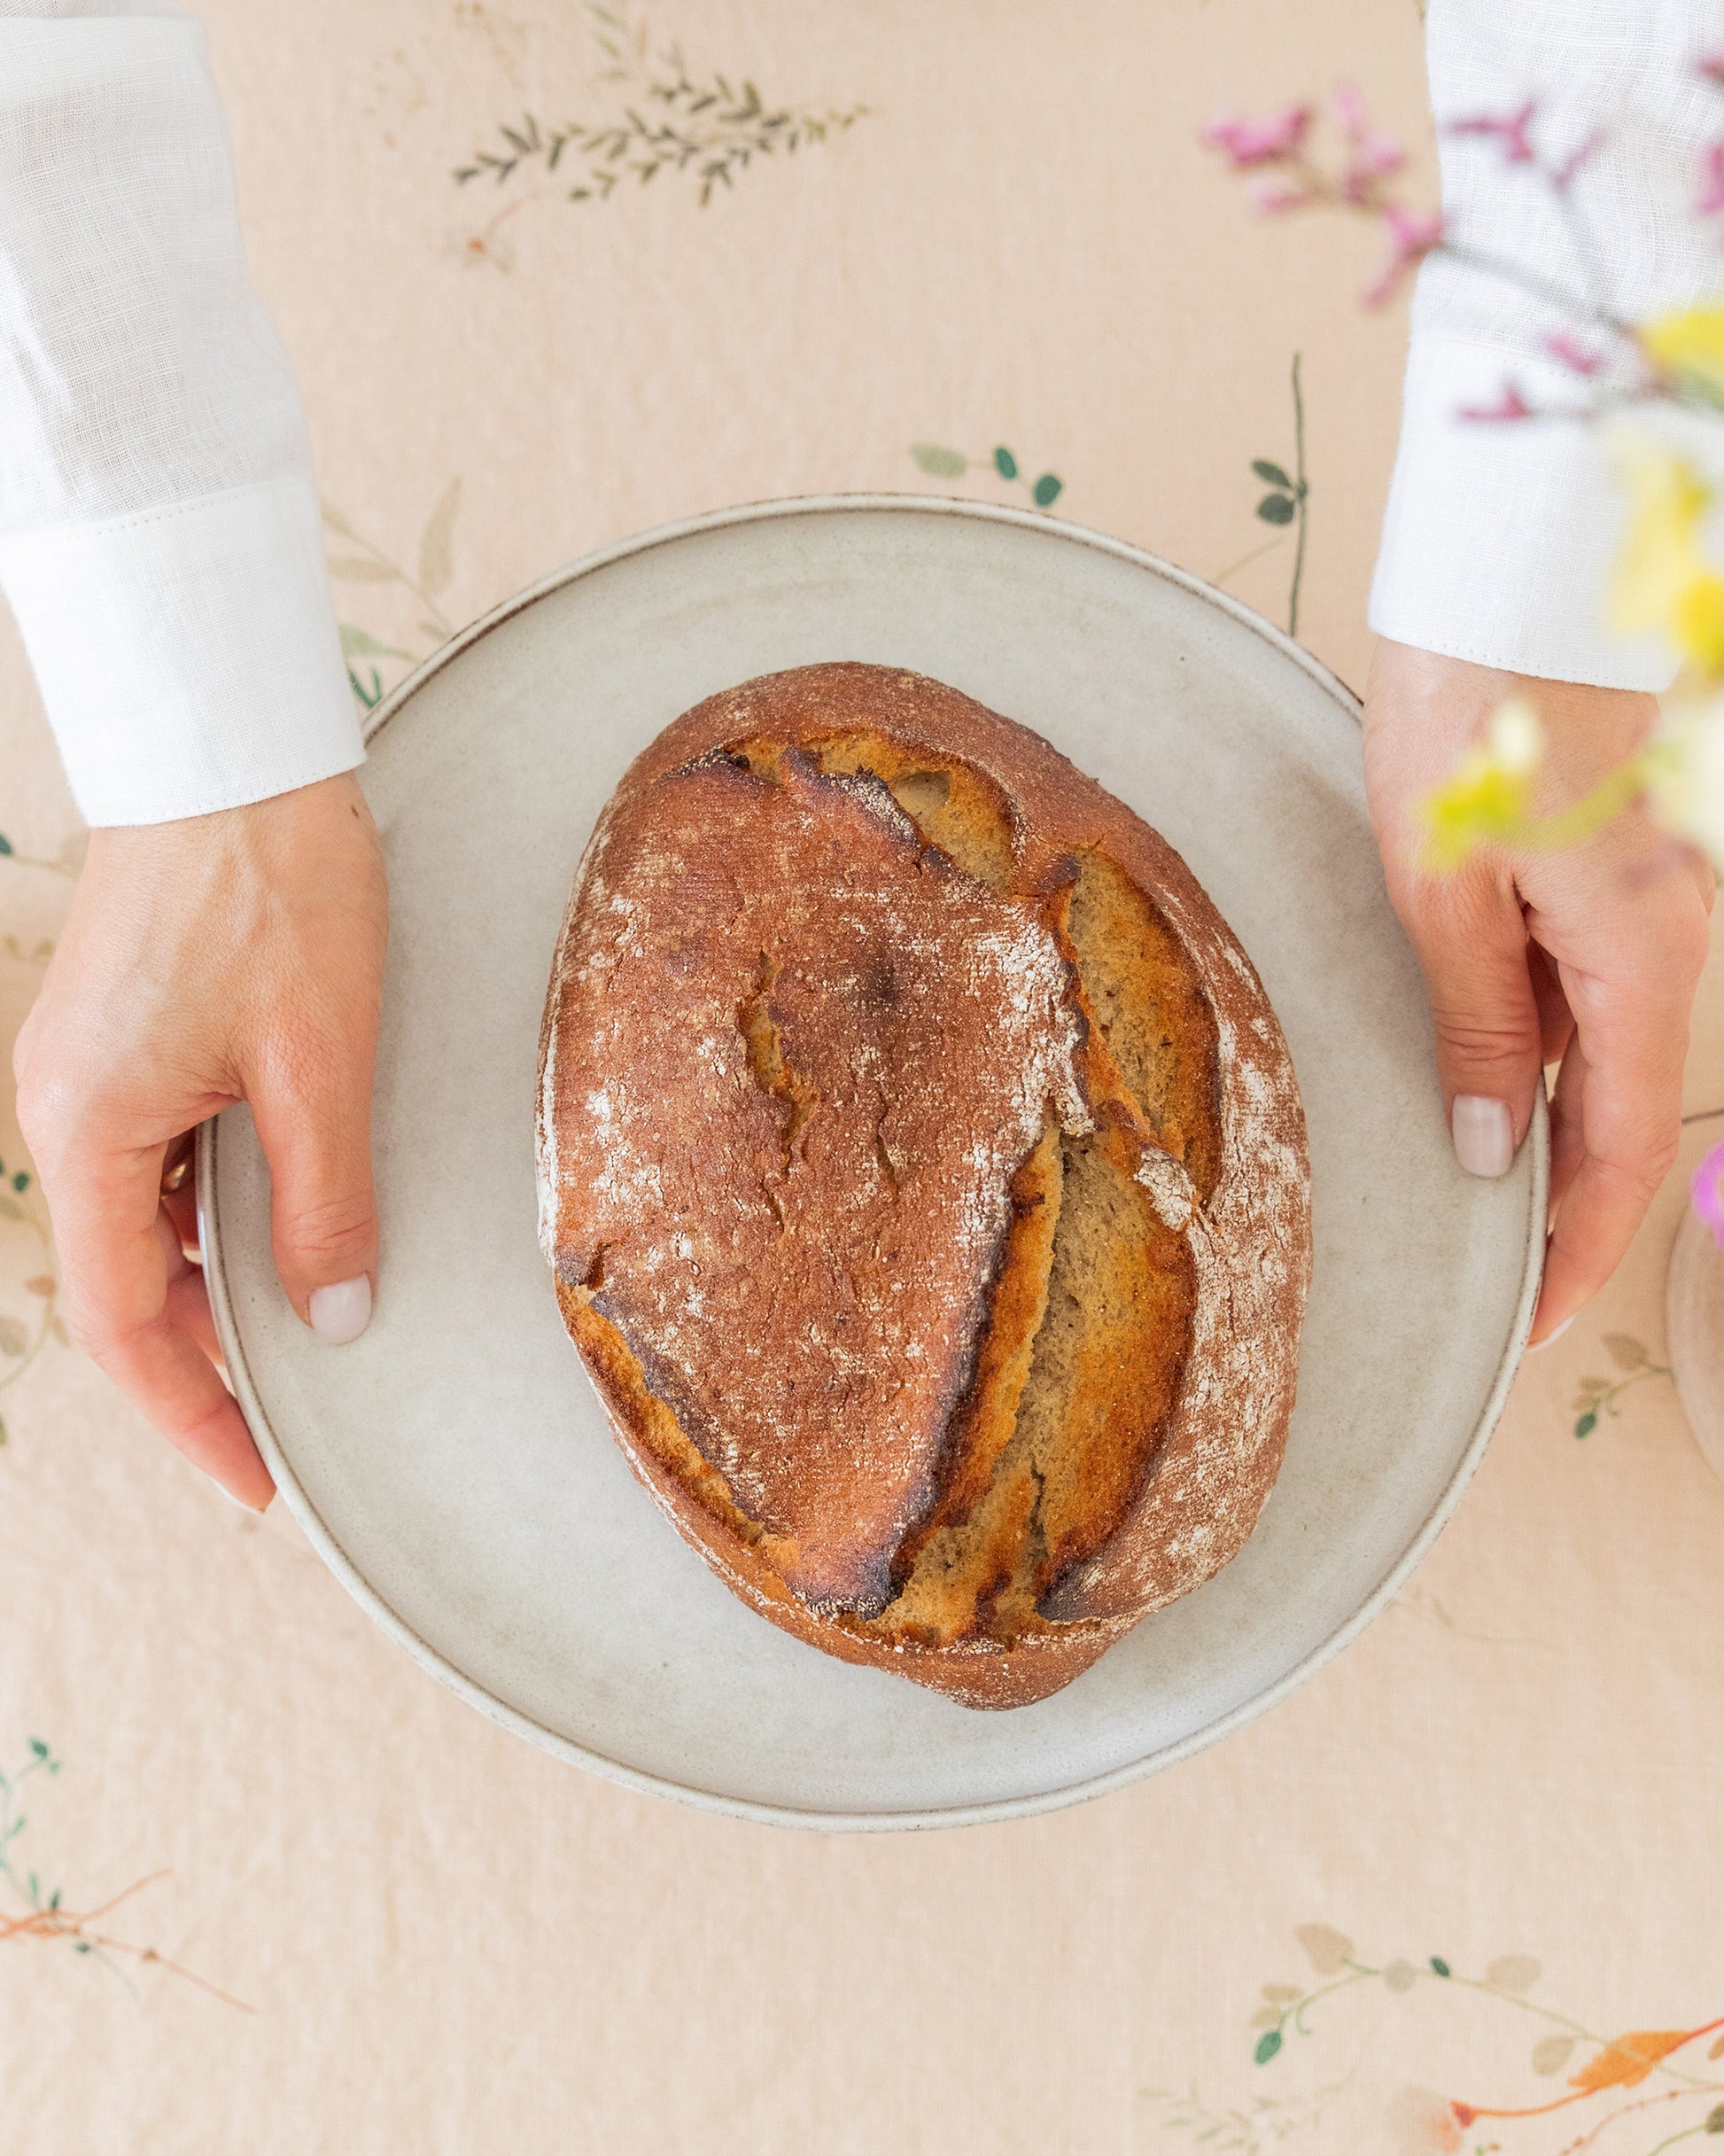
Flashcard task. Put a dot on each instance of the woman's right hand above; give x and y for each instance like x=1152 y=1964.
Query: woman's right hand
x=237 y=956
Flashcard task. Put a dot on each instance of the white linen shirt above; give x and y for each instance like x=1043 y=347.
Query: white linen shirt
x=160 y=539
x=1499 y=536
x=159 y=534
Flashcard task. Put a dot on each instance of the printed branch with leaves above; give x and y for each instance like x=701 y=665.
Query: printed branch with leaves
x=1283 y=505
x=942 y=464
x=1251 y=2127
x=39 y=1913
x=1596 y=1394
x=20 y=1344
x=372 y=565
x=1433 y=2122
x=710 y=127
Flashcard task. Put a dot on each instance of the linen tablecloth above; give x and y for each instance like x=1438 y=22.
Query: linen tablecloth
x=1476 y=1858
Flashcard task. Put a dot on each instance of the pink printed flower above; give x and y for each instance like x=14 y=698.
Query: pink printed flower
x=1571 y=354
x=1370 y=157
x=1245 y=143
x=1411 y=238
x=1271 y=196
x=1349 y=110
x=1711 y=66
x=1709 y=1192
x=1710 y=200
x=1424 y=2124
x=1511 y=129
x=1510 y=405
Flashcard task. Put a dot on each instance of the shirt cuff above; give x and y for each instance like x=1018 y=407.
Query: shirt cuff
x=1500 y=536
x=187 y=655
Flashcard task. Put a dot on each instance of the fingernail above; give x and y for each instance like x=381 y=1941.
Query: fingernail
x=341 y=1313
x=1484 y=1134
x=1551 y=1337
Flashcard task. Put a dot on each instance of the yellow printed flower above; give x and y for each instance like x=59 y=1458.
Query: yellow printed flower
x=1684 y=771
x=1487 y=797
x=1689 y=346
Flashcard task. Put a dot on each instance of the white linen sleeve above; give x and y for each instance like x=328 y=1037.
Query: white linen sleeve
x=161 y=538
x=1499 y=536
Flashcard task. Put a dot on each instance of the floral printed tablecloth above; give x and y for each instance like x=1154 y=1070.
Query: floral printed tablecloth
x=264 y=1885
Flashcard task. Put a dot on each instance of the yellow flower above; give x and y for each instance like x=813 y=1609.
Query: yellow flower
x=1663 y=581
x=1660 y=555
x=1689 y=344
x=1684 y=769
x=1486 y=796
x=1699 y=624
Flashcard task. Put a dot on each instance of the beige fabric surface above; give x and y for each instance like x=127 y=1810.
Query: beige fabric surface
x=1490 y=1829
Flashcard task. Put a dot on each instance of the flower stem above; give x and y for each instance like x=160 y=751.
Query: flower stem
x=1246 y=560
x=1687 y=2136
x=1621 y=1386
x=1296 y=2011
x=1547 y=289
x=1591 y=813
x=35 y=860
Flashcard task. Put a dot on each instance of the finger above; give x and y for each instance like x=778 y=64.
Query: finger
x=1567 y=1131
x=1471 y=942
x=314 y=1120
x=177 y=1167
x=187 y=1296
x=1632 y=1028
x=188 y=1308
x=1556 y=1020
x=181 y=1207
x=115 y=1276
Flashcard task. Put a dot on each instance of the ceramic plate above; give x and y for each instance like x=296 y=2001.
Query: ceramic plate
x=453 y=1467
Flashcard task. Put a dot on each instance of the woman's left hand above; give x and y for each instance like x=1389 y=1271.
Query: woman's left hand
x=1588 y=955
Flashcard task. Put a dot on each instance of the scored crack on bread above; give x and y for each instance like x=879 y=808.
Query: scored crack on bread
x=924 y=1178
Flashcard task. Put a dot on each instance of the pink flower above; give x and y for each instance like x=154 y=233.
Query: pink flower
x=1510 y=405
x=1711 y=66
x=1709 y=1192
x=1511 y=128
x=1378 y=156
x=1580 y=156
x=1572 y=354
x=1411 y=238
x=1245 y=143
x=1710 y=199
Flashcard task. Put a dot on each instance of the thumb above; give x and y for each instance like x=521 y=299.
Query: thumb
x=314 y=1126
x=1473 y=947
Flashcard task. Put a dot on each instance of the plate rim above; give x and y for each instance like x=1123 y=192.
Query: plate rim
x=921 y=1817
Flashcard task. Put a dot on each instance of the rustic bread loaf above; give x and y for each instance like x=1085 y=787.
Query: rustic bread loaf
x=924 y=1178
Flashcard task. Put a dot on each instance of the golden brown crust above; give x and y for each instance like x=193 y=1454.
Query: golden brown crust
x=815 y=1075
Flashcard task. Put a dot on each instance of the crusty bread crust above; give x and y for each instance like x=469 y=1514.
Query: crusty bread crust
x=835 y=1029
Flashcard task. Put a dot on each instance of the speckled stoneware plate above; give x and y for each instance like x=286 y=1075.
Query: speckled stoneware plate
x=453 y=1467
